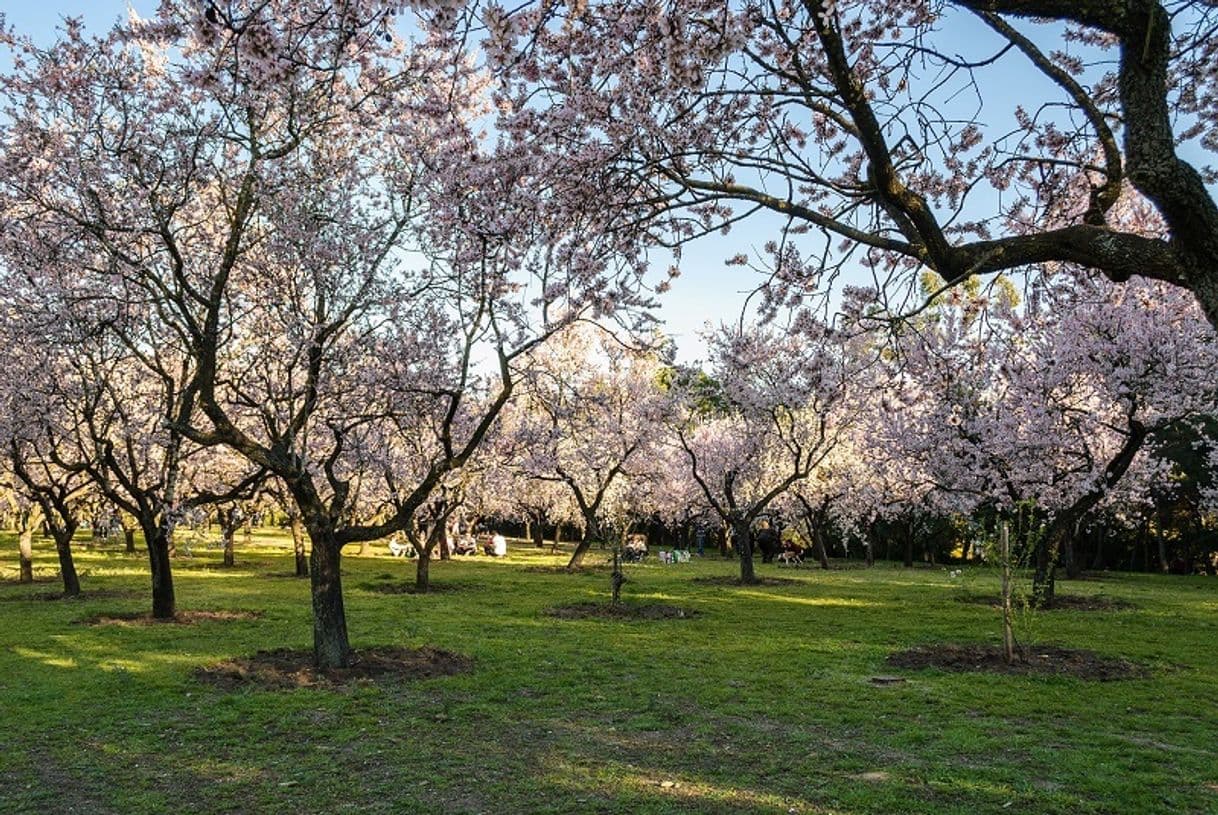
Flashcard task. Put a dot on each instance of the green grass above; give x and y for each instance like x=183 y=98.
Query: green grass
x=759 y=704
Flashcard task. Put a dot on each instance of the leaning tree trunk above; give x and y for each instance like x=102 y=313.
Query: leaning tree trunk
x=743 y=541
x=581 y=549
x=331 y=648
x=158 y=538
x=67 y=566
x=818 y=541
x=25 y=554
x=298 y=547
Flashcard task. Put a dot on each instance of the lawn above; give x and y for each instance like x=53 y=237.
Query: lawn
x=761 y=701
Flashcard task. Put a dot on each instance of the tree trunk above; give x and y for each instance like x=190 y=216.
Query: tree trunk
x=909 y=546
x=585 y=542
x=25 y=554
x=538 y=534
x=67 y=566
x=422 y=569
x=446 y=552
x=616 y=579
x=158 y=538
x=743 y=542
x=557 y=536
x=129 y=538
x=1069 y=556
x=298 y=547
x=229 y=557
x=331 y=649
x=818 y=540
x=1044 y=578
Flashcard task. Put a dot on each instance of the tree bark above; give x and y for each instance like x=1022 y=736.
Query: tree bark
x=743 y=541
x=539 y=538
x=818 y=540
x=157 y=536
x=25 y=554
x=331 y=648
x=67 y=566
x=422 y=569
x=585 y=543
x=298 y=547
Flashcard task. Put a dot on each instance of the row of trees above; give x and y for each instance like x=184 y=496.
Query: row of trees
x=304 y=245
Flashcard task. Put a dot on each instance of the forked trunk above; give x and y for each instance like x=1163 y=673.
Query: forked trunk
x=581 y=549
x=331 y=648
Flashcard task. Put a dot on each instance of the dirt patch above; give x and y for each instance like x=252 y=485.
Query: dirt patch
x=409 y=587
x=285 y=669
x=1038 y=660
x=1061 y=602
x=622 y=611
x=728 y=580
x=181 y=618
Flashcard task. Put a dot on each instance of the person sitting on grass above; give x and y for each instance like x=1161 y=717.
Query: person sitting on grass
x=496 y=546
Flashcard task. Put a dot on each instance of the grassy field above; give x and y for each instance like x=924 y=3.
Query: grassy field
x=761 y=703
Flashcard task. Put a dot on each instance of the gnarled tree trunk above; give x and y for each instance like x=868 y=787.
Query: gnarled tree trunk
x=331 y=648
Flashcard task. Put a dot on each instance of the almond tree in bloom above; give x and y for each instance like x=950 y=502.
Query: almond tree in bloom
x=878 y=134
x=38 y=450
x=591 y=411
x=300 y=205
x=781 y=409
x=1051 y=404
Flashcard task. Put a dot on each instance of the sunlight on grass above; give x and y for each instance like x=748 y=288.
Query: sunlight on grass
x=838 y=602
x=45 y=658
x=612 y=778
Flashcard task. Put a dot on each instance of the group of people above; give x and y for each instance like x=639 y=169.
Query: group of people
x=494 y=545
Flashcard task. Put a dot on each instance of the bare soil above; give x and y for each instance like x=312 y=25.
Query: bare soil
x=181 y=618
x=285 y=669
x=1049 y=660
x=622 y=611
x=1061 y=602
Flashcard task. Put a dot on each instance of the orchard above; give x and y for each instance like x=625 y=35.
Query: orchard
x=351 y=458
